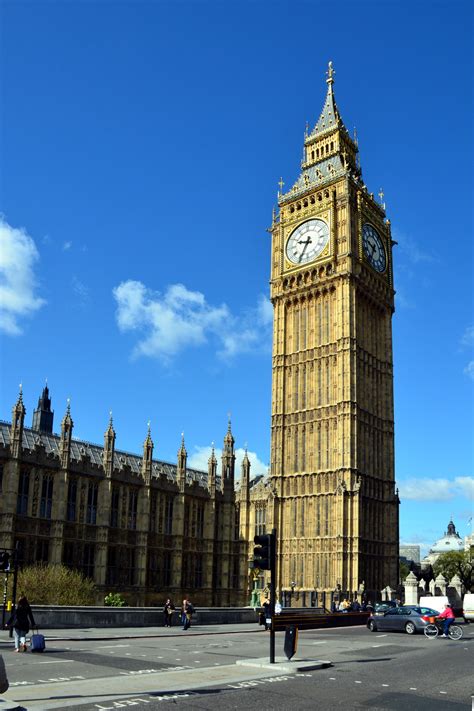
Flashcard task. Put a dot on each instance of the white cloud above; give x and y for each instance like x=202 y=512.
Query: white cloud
x=469 y=369
x=409 y=248
x=465 y=484
x=467 y=339
x=18 y=255
x=80 y=289
x=200 y=457
x=67 y=245
x=426 y=489
x=180 y=319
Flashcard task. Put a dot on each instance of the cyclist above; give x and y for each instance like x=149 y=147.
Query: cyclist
x=448 y=616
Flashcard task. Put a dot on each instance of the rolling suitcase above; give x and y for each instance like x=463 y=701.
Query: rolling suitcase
x=37 y=643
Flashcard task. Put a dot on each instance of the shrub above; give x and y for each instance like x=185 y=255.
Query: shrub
x=55 y=585
x=115 y=600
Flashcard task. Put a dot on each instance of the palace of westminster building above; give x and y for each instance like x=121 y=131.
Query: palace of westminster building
x=149 y=529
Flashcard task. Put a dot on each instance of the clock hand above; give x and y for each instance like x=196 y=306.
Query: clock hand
x=308 y=241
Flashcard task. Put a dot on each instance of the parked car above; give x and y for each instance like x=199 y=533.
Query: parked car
x=408 y=618
x=382 y=607
x=468 y=603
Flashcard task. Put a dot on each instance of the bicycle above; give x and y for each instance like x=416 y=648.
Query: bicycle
x=433 y=630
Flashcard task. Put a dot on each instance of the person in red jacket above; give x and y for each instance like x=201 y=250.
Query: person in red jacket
x=448 y=616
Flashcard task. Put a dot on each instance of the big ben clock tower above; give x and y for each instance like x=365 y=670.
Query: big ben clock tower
x=332 y=446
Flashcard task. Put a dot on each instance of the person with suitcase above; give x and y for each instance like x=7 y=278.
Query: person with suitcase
x=20 y=621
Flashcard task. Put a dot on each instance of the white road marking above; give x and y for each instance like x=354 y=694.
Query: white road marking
x=112 y=646
x=376 y=645
x=332 y=678
x=57 y=661
x=358 y=682
x=385 y=684
x=382 y=635
x=412 y=688
x=443 y=692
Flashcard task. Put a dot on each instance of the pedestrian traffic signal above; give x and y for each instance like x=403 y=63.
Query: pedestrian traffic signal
x=264 y=552
x=4 y=561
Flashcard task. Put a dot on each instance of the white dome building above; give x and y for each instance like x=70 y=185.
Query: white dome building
x=451 y=541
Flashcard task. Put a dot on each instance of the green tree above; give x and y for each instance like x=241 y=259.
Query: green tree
x=459 y=563
x=55 y=585
x=404 y=570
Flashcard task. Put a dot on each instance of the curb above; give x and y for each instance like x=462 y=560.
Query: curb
x=286 y=665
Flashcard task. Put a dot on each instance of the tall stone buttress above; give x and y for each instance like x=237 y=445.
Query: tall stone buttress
x=226 y=514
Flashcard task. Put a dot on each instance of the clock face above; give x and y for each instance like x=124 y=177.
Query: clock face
x=373 y=248
x=307 y=241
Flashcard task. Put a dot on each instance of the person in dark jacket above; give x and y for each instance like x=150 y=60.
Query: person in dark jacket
x=267 y=613
x=20 y=621
x=186 y=613
x=168 y=612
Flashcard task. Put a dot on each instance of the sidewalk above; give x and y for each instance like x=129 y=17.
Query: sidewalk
x=114 y=633
x=60 y=695
x=160 y=685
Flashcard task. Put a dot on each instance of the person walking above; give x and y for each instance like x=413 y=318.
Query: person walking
x=168 y=612
x=20 y=621
x=187 y=611
x=267 y=613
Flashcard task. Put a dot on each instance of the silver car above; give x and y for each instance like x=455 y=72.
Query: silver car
x=408 y=618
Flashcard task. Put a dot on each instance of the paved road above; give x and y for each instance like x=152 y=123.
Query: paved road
x=197 y=670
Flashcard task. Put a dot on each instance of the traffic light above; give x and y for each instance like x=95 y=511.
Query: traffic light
x=4 y=561
x=264 y=551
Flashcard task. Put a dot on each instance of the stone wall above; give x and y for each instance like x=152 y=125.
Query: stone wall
x=56 y=617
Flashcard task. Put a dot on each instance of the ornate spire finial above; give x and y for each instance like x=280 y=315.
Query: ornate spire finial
x=68 y=406
x=330 y=72
x=381 y=196
x=281 y=184
x=110 y=418
x=20 y=394
x=149 y=427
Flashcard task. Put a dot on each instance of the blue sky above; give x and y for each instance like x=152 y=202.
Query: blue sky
x=142 y=145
